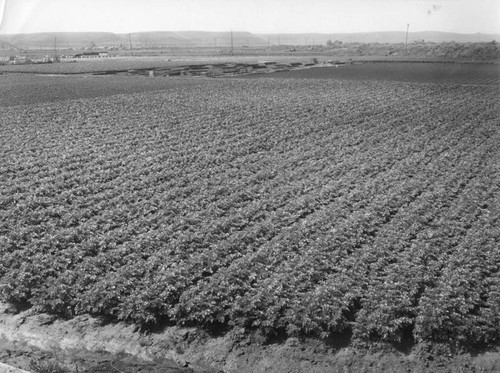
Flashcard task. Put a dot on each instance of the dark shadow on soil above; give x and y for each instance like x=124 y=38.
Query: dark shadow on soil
x=18 y=307
x=407 y=343
x=338 y=341
x=278 y=337
x=216 y=330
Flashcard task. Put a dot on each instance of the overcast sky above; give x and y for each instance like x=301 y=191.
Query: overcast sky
x=257 y=16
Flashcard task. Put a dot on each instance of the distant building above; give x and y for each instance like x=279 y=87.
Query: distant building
x=92 y=54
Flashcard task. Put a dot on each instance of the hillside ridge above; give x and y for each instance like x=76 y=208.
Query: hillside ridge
x=223 y=38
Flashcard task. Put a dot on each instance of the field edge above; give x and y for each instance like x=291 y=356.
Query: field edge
x=207 y=352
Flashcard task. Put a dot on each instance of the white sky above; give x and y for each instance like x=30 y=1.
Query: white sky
x=257 y=16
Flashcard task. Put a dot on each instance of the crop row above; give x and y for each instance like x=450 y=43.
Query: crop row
x=277 y=205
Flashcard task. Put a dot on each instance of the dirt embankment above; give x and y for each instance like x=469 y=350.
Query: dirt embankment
x=86 y=345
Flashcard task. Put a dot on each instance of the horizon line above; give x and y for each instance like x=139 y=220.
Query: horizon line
x=245 y=31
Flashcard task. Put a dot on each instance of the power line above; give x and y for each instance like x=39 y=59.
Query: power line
x=130 y=41
x=231 y=42
x=406 y=40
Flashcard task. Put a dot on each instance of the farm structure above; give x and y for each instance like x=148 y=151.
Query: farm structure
x=92 y=55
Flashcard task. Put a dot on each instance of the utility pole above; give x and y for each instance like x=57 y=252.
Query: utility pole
x=130 y=42
x=231 y=42
x=406 y=41
x=55 y=49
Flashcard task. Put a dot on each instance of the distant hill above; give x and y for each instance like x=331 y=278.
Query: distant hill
x=377 y=37
x=62 y=40
x=194 y=39
x=169 y=39
x=80 y=40
x=4 y=46
x=437 y=37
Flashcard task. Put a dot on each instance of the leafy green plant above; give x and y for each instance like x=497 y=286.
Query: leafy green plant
x=47 y=366
x=292 y=206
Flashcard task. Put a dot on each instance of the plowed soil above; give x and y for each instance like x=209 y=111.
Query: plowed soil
x=443 y=73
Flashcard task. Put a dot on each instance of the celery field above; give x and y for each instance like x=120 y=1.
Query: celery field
x=287 y=206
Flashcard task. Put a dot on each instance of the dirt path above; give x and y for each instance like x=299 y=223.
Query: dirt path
x=83 y=345
x=28 y=357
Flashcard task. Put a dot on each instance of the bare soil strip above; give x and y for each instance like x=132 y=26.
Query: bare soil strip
x=89 y=345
